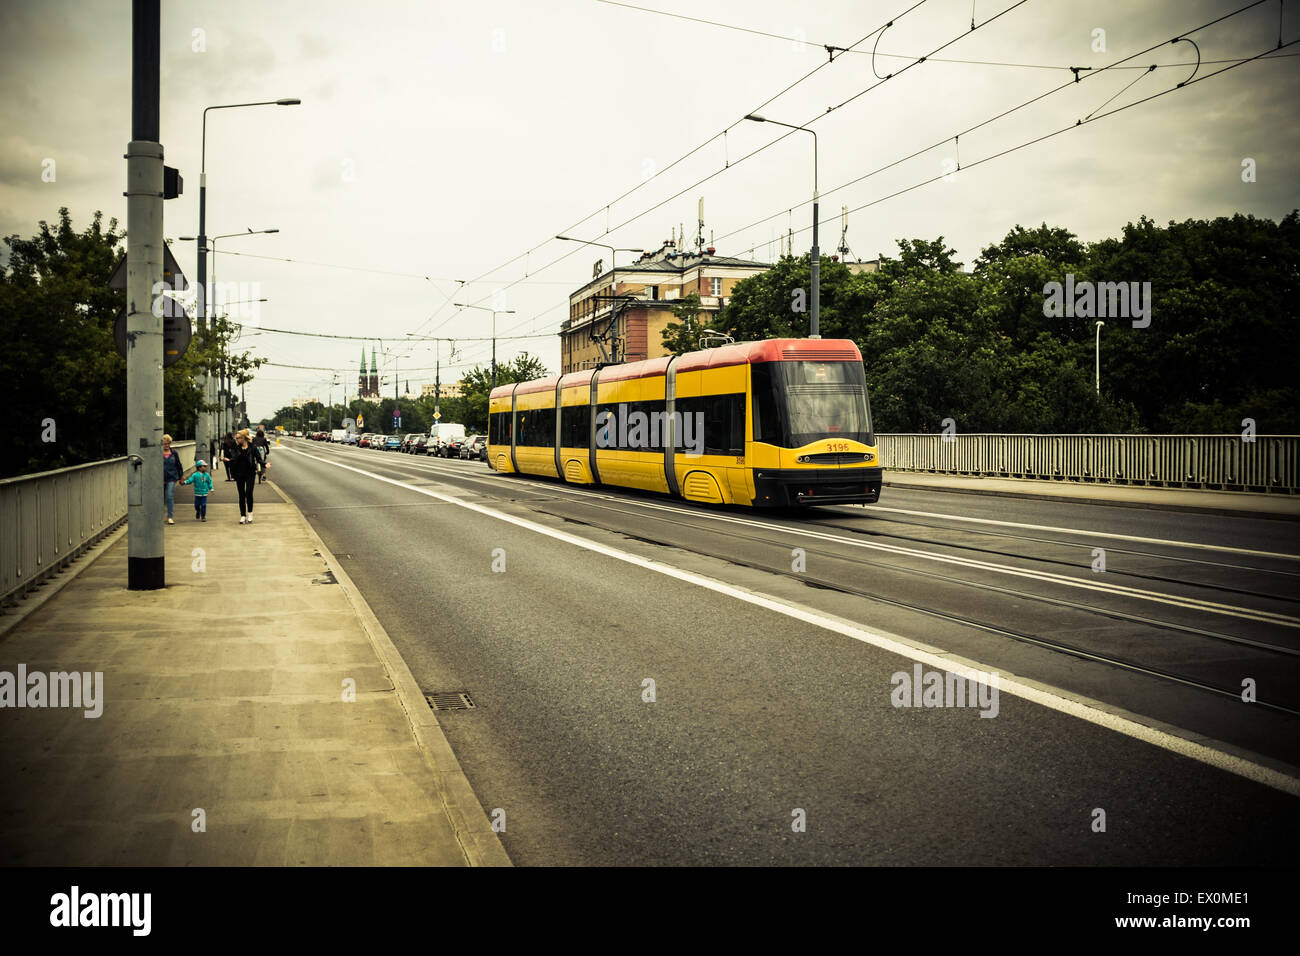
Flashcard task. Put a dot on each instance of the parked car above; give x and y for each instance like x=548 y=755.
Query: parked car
x=409 y=441
x=393 y=443
x=473 y=446
x=417 y=446
x=349 y=438
x=364 y=440
x=441 y=435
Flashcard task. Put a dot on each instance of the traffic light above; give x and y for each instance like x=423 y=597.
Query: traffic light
x=173 y=185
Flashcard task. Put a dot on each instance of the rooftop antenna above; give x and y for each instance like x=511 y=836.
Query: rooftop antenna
x=843 y=250
x=699 y=239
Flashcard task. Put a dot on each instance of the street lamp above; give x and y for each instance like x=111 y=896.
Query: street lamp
x=1099 y=325
x=814 y=331
x=495 y=313
x=201 y=431
x=613 y=273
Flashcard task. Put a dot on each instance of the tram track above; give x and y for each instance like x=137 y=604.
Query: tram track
x=540 y=494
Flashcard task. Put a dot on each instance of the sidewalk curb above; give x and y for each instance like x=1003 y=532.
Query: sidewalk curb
x=479 y=842
x=922 y=485
x=52 y=585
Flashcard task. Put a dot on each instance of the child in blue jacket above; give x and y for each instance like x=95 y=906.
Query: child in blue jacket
x=202 y=483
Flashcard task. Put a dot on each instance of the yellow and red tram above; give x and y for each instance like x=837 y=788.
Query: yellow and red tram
x=776 y=423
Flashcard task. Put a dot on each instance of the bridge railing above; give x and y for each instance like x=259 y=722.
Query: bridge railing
x=49 y=518
x=1270 y=463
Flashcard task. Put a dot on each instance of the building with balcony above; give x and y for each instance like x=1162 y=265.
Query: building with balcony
x=631 y=329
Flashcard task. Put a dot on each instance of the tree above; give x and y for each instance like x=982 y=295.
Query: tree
x=476 y=385
x=684 y=334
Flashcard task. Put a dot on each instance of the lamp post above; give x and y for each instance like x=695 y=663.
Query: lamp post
x=1099 y=325
x=613 y=273
x=202 y=430
x=495 y=313
x=814 y=330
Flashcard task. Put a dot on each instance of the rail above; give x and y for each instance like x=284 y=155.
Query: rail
x=49 y=518
x=1269 y=463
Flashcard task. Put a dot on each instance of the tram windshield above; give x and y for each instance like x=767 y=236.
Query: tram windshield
x=797 y=403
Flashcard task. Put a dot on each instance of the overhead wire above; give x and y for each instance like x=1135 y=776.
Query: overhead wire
x=659 y=172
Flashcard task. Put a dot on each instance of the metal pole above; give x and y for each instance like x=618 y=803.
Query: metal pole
x=144 y=269
x=1099 y=325
x=494 y=348
x=814 y=330
x=204 y=423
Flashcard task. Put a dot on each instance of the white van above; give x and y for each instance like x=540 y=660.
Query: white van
x=440 y=435
x=338 y=434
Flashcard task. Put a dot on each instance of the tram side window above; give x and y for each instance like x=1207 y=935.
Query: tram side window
x=499 y=428
x=724 y=422
x=575 y=426
x=767 y=420
x=536 y=428
x=639 y=434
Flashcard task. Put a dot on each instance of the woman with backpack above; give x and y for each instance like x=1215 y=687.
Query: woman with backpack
x=243 y=463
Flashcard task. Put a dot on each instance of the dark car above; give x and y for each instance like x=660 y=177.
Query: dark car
x=418 y=444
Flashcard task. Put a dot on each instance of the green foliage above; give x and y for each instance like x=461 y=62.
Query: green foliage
x=476 y=385
x=684 y=334
x=59 y=359
x=976 y=347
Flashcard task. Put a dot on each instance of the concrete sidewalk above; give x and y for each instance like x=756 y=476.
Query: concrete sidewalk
x=224 y=693
x=1131 y=496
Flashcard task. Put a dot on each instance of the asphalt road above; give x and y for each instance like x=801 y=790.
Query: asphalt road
x=764 y=715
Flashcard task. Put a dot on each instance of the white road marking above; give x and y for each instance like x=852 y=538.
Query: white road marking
x=1092 y=534
x=1052 y=698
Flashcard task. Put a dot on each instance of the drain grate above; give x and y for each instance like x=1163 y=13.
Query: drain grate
x=451 y=700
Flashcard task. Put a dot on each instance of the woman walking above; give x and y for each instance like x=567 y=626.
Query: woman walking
x=172 y=473
x=242 y=463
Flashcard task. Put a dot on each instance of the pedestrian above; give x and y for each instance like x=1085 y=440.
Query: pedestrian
x=263 y=449
x=202 y=483
x=243 y=465
x=227 y=447
x=212 y=448
x=173 y=472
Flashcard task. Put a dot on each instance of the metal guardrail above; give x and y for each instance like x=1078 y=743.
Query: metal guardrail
x=1270 y=463
x=49 y=518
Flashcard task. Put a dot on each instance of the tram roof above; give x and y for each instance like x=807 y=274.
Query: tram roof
x=739 y=353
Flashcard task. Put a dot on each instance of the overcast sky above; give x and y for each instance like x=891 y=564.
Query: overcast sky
x=440 y=140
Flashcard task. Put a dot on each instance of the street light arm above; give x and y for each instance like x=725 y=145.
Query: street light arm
x=763 y=119
x=203 y=151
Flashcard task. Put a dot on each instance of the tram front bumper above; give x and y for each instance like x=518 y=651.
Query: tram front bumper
x=785 y=488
